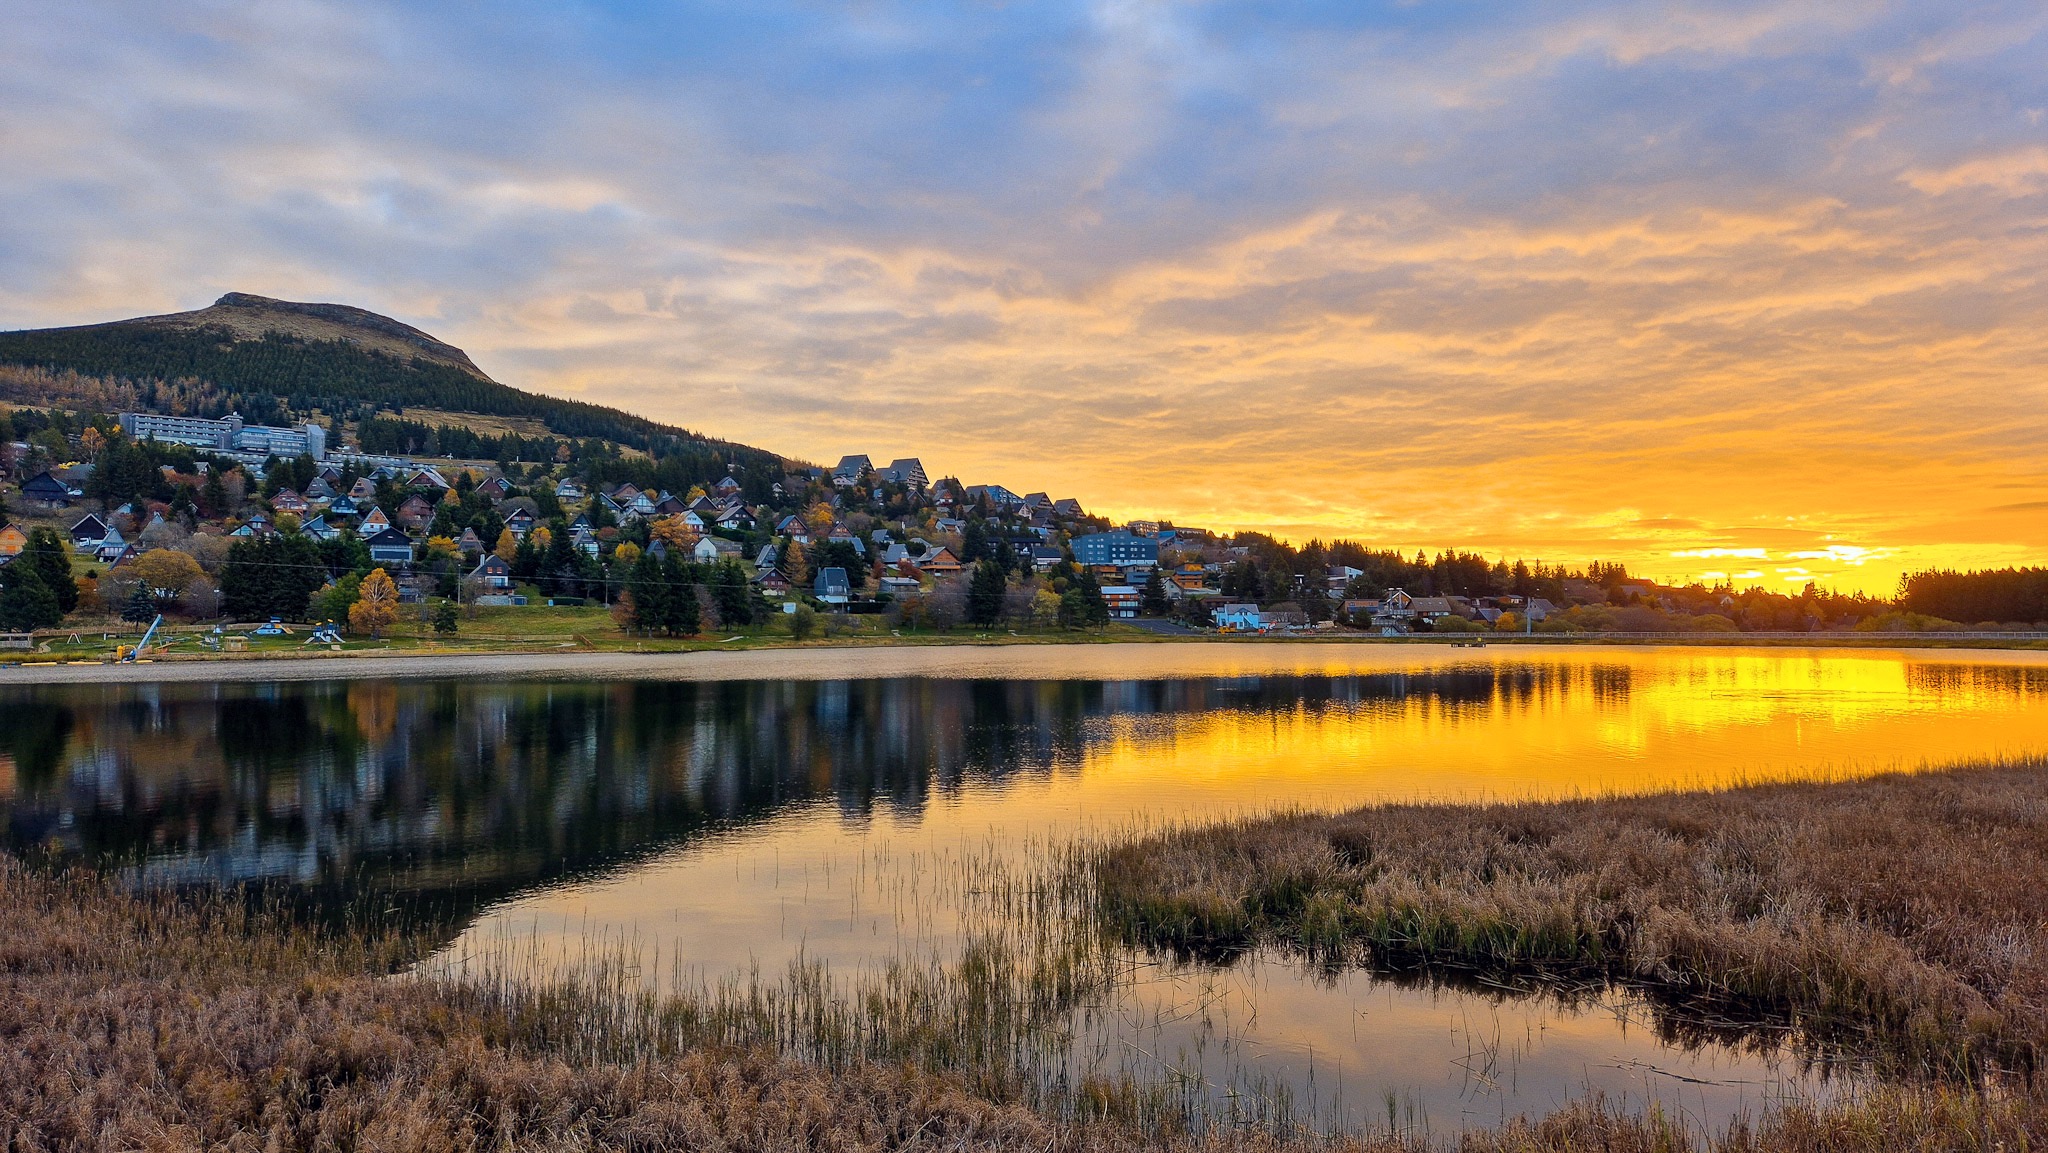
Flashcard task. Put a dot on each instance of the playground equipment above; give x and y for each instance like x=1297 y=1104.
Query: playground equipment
x=326 y=634
x=131 y=655
x=274 y=629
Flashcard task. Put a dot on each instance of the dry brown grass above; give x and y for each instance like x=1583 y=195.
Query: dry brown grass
x=1905 y=916
x=149 y=1023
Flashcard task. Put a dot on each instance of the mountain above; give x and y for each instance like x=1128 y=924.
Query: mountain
x=275 y=359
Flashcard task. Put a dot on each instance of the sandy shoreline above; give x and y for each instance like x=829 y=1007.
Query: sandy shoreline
x=1051 y=662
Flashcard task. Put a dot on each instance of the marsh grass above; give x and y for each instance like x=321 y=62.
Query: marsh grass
x=1903 y=917
x=148 y=1021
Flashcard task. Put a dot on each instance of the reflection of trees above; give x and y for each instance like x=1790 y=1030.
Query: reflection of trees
x=2004 y=682
x=455 y=787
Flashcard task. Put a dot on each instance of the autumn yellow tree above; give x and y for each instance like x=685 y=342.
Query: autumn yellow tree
x=507 y=546
x=820 y=517
x=92 y=441
x=671 y=530
x=626 y=553
x=164 y=572
x=376 y=607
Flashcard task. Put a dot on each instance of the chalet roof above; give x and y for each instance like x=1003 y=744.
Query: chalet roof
x=89 y=527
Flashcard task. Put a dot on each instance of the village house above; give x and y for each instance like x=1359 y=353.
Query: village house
x=1122 y=601
x=908 y=472
x=88 y=532
x=111 y=548
x=848 y=471
x=1237 y=617
x=832 y=587
x=1120 y=549
x=46 y=491
x=714 y=548
x=415 y=511
x=492 y=573
x=390 y=547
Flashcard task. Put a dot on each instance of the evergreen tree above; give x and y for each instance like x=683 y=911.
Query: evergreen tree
x=1153 y=602
x=734 y=599
x=650 y=594
x=444 y=618
x=1096 y=609
x=25 y=601
x=52 y=562
x=985 y=594
x=974 y=541
x=213 y=495
x=684 y=615
x=140 y=609
x=560 y=573
x=273 y=577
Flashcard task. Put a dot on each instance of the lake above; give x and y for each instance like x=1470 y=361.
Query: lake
x=847 y=811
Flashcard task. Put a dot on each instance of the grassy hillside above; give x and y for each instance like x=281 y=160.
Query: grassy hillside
x=269 y=359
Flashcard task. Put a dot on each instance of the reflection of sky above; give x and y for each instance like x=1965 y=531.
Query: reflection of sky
x=856 y=890
x=1625 y=279
x=1562 y=723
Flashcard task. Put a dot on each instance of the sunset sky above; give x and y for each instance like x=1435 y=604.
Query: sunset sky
x=1746 y=288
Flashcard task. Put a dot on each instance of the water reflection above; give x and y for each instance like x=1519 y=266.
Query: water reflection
x=485 y=789
x=741 y=822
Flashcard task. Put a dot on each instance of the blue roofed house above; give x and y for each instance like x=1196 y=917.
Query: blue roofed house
x=832 y=586
x=850 y=468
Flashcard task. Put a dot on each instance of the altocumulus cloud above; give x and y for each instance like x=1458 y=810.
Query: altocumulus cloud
x=1641 y=280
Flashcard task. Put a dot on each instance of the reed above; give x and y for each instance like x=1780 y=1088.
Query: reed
x=147 y=1021
x=1904 y=917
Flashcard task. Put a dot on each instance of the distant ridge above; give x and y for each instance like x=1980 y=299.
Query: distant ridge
x=262 y=356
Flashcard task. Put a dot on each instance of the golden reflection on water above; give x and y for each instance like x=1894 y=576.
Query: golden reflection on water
x=1618 y=722
x=1389 y=726
x=829 y=813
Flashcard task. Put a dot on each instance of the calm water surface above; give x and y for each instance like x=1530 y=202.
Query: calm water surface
x=727 y=824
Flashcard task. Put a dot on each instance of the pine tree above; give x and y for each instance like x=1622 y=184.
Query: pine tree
x=650 y=594
x=735 y=600
x=140 y=609
x=1091 y=597
x=52 y=563
x=1153 y=603
x=684 y=615
x=985 y=594
x=25 y=601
